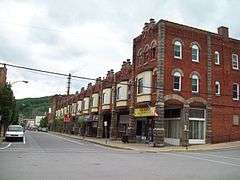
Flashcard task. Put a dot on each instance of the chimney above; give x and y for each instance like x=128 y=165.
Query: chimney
x=89 y=85
x=152 y=21
x=223 y=31
x=124 y=64
x=128 y=61
x=145 y=28
x=98 y=80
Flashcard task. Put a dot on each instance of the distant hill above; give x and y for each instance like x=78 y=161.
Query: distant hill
x=31 y=107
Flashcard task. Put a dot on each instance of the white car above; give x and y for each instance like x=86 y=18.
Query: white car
x=14 y=132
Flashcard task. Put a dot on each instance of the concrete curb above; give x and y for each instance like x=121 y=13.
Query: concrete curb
x=181 y=149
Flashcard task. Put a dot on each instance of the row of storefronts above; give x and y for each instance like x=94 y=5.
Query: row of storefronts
x=165 y=96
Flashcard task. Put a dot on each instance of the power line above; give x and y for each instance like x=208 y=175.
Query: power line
x=47 y=72
x=91 y=79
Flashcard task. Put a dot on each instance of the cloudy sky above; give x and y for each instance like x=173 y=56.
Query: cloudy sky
x=89 y=37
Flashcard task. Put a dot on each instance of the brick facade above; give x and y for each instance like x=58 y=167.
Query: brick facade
x=156 y=111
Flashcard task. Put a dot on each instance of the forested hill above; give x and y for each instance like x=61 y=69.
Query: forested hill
x=31 y=107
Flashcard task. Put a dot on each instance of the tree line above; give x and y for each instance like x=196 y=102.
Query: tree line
x=8 y=111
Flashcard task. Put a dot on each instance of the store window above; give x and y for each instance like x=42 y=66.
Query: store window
x=196 y=124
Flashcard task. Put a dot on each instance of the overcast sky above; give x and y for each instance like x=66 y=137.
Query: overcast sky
x=89 y=37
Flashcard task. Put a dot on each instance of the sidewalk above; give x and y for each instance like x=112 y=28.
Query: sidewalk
x=146 y=148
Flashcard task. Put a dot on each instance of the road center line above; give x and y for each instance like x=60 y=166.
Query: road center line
x=66 y=139
x=6 y=146
x=205 y=159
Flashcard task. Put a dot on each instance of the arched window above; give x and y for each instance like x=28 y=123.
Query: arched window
x=153 y=49
x=177 y=80
x=195 y=53
x=177 y=50
x=217 y=57
x=217 y=88
x=195 y=83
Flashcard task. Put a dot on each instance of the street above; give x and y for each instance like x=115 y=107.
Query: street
x=47 y=156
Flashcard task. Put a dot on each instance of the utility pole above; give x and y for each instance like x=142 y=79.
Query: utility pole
x=69 y=83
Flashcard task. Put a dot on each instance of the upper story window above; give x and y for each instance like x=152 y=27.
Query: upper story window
x=177 y=50
x=106 y=96
x=235 y=61
x=195 y=53
x=195 y=83
x=153 y=49
x=140 y=86
x=217 y=57
x=235 y=91
x=118 y=92
x=122 y=91
x=103 y=98
x=177 y=81
x=217 y=88
x=79 y=106
x=86 y=103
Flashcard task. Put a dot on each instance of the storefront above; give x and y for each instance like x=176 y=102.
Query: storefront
x=172 y=125
x=123 y=120
x=91 y=125
x=197 y=126
x=144 y=124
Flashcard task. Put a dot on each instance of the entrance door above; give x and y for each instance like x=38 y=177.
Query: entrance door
x=106 y=130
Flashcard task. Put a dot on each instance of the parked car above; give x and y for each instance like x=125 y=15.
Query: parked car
x=44 y=129
x=14 y=132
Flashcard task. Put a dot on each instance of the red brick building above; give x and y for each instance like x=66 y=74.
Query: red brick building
x=182 y=87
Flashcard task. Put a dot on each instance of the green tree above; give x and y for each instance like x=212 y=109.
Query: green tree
x=7 y=107
x=44 y=122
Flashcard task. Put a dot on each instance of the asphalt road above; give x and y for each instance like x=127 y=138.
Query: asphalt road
x=44 y=156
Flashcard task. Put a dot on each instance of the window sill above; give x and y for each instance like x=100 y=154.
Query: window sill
x=218 y=95
x=179 y=58
x=235 y=99
x=196 y=93
x=196 y=61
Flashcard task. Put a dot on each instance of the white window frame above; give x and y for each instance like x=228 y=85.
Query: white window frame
x=140 y=87
x=236 y=99
x=196 y=48
x=216 y=58
x=218 y=92
x=194 y=76
x=177 y=74
x=177 y=43
x=118 y=93
x=233 y=62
